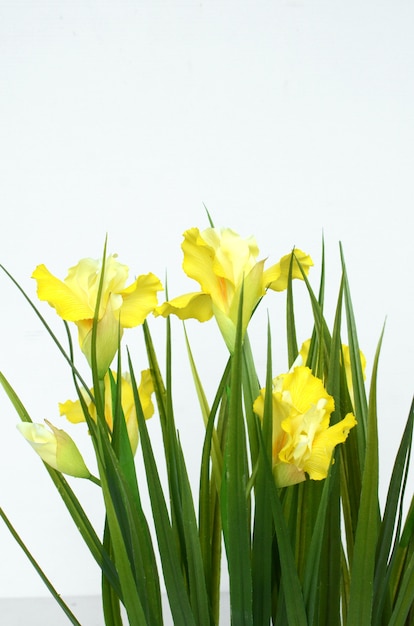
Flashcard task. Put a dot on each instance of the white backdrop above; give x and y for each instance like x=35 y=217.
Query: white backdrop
x=288 y=119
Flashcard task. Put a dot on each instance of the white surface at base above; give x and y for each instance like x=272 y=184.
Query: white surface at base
x=87 y=610
x=46 y=611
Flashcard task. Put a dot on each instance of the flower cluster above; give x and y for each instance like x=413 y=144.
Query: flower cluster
x=225 y=265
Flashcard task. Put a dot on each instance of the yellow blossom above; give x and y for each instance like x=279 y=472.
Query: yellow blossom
x=55 y=447
x=222 y=263
x=74 y=413
x=120 y=307
x=302 y=440
x=303 y=355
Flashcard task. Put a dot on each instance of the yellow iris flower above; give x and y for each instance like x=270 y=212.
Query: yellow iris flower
x=120 y=307
x=302 y=440
x=222 y=262
x=303 y=355
x=55 y=447
x=72 y=410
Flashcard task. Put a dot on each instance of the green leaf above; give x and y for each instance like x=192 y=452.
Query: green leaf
x=362 y=571
x=40 y=572
x=69 y=498
x=67 y=358
x=291 y=597
x=110 y=600
x=196 y=580
x=292 y=343
x=209 y=506
x=405 y=600
x=251 y=389
x=234 y=506
x=360 y=400
x=263 y=528
x=131 y=597
x=176 y=590
x=216 y=454
x=391 y=522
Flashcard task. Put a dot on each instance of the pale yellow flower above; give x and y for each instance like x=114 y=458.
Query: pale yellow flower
x=72 y=410
x=120 y=307
x=55 y=447
x=222 y=263
x=302 y=439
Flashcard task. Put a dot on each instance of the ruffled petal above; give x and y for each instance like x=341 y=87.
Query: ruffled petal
x=139 y=300
x=319 y=461
x=191 y=305
x=306 y=390
x=72 y=410
x=277 y=276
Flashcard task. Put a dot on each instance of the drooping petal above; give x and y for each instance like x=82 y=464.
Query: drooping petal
x=277 y=276
x=72 y=410
x=70 y=306
x=139 y=299
x=318 y=463
x=191 y=305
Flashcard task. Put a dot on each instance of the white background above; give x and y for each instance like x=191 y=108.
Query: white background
x=288 y=119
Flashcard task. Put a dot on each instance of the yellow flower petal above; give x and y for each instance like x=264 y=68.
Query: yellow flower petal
x=277 y=276
x=70 y=306
x=139 y=299
x=304 y=390
x=198 y=260
x=190 y=305
x=73 y=410
x=74 y=413
x=318 y=463
x=145 y=391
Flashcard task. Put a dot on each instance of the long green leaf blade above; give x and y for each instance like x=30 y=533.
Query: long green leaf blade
x=177 y=595
x=38 y=569
x=362 y=572
x=234 y=505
